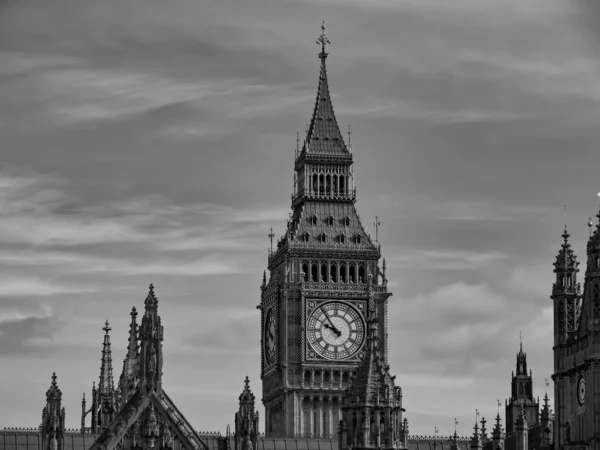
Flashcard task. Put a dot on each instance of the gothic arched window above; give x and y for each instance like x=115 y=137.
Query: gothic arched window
x=305 y=270
x=361 y=273
x=333 y=272
x=324 y=272
x=314 y=272
x=352 y=273
x=343 y=272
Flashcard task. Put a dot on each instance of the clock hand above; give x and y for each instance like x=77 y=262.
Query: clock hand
x=332 y=327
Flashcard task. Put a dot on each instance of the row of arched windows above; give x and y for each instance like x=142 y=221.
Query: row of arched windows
x=334 y=272
x=328 y=183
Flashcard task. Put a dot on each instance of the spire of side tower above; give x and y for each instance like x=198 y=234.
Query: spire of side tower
x=151 y=337
x=105 y=394
x=53 y=418
x=131 y=366
x=106 y=386
x=565 y=292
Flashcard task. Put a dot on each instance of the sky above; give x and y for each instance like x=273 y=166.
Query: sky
x=152 y=141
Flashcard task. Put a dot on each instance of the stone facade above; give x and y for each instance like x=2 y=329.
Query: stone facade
x=323 y=277
x=577 y=346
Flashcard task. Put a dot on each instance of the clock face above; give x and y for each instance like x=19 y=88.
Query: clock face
x=581 y=390
x=269 y=339
x=336 y=330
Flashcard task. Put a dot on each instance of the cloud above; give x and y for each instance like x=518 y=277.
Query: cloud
x=443 y=259
x=21 y=334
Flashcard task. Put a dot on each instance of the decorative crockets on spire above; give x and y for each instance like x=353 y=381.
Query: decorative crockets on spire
x=498 y=435
x=151 y=336
x=476 y=438
x=104 y=403
x=131 y=366
x=53 y=419
x=372 y=406
x=246 y=421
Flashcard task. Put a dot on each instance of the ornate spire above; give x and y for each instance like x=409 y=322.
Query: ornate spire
x=324 y=136
x=53 y=418
x=497 y=431
x=521 y=358
x=106 y=385
x=545 y=415
x=476 y=439
x=566 y=262
x=247 y=397
x=53 y=394
x=323 y=40
x=151 y=336
x=131 y=365
x=133 y=351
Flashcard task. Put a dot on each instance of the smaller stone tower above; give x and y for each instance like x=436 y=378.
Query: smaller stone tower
x=521 y=395
x=53 y=419
x=372 y=406
x=246 y=421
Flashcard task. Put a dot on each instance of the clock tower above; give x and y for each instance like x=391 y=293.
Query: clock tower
x=323 y=279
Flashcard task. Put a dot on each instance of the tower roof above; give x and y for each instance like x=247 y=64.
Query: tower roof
x=521 y=359
x=476 y=438
x=106 y=384
x=151 y=326
x=247 y=397
x=566 y=260
x=324 y=134
x=497 y=431
x=53 y=393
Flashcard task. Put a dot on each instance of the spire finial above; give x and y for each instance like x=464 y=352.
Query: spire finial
x=107 y=327
x=53 y=378
x=323 y=40
x=521 y=340
x=271 y=235
x=455 y=425
x=377 y=224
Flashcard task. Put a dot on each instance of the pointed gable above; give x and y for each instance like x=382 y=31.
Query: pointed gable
x=147 y=419
x=149 y=422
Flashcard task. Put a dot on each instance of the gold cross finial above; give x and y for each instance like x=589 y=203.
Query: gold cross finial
x=323 y=40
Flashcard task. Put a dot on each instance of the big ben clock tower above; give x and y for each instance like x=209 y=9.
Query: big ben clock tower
x=323 y=281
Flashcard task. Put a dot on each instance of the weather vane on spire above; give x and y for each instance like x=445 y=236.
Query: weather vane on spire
x=323 y=40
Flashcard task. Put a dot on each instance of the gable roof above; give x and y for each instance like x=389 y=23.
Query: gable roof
x=146 y=417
